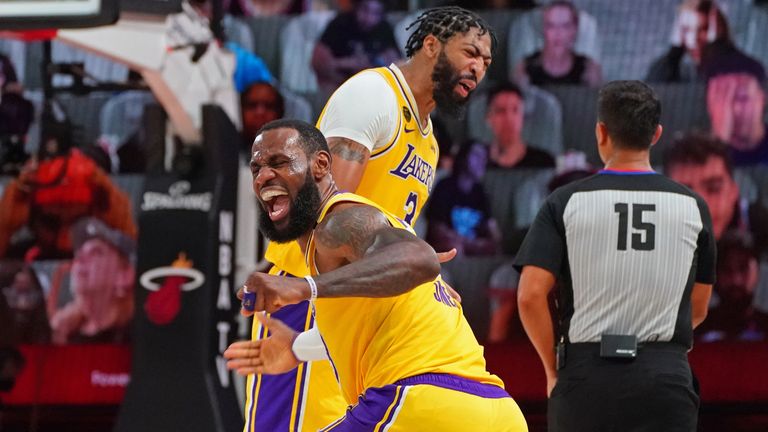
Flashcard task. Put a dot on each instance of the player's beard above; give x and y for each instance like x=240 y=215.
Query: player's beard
x=301 y=218
x=445 y=78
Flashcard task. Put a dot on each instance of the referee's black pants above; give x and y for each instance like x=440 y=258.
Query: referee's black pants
x=654 y=392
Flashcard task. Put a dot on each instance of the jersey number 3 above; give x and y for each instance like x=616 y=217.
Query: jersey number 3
x=410 y=207
x=644 y=237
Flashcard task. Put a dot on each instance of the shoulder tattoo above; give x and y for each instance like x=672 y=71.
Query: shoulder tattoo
x=353 y=228
x=347 y=149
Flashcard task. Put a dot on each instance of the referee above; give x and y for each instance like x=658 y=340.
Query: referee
x=633 y=255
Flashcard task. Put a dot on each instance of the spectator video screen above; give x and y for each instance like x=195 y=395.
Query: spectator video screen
x=67 y=276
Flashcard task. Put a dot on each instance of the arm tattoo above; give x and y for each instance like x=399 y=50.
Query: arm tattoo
x=347 y=149
x=353 y=228
x=382 y=261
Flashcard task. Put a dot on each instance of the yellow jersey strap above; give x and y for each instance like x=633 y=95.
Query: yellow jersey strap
x=347 y=197
x=287 y=257
x=395 y=79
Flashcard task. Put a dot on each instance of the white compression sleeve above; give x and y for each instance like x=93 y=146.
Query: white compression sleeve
x=308 y=346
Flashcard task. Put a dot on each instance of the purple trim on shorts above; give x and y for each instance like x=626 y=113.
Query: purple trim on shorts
x=372 y=406
x=370 y=410
x=395 y=406
x=453 y=382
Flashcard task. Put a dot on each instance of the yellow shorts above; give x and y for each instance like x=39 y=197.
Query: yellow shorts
x=433 y=402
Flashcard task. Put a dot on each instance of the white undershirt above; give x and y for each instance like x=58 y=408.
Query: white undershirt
x=364 y=109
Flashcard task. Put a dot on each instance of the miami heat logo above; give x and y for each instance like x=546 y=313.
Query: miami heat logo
x=166 y=285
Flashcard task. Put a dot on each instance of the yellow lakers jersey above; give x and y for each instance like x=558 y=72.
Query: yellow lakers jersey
x=374 y=342
x=287 y=257
x=398 y=176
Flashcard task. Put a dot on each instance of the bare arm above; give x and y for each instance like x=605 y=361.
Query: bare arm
x=533 y=289
x=360 y=255
x=700 y=302
x=349 y=161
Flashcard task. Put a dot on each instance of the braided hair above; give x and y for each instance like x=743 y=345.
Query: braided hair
x=444 y=23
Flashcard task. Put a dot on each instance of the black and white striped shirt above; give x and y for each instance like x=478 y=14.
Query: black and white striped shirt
x=626 y=248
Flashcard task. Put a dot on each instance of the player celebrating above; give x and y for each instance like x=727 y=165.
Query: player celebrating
x=379 y=131
x=404 y=355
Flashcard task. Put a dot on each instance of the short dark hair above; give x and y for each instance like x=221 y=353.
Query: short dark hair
x=630 y=111
x=311 y=139
x=503 y=87
x=695 y=148
x=443 y=23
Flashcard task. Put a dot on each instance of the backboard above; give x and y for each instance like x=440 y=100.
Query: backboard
x=53 y=14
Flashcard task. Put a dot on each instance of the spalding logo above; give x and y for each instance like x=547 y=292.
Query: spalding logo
x=177 y=198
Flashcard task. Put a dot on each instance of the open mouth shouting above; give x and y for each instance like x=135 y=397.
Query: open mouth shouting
x=276 y=202
x=465 y=87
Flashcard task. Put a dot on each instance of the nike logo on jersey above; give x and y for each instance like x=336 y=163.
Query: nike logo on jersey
x=406 y=130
